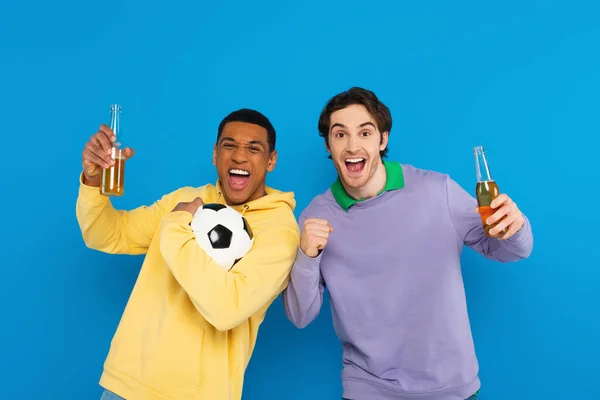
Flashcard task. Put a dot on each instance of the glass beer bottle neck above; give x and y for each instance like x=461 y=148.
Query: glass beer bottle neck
x=481 y=165
x=115 y=124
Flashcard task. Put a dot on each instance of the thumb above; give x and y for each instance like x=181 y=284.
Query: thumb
x=129 y=152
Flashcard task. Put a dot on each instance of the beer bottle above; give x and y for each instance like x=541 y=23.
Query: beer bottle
x=112 y=183
x=486 y=191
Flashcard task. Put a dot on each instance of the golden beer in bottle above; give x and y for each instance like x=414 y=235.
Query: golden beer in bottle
x=486 y=191
x=113 y=177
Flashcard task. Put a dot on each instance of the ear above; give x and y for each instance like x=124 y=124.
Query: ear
x=272 y=161
x=384 y=140
x=214 y=155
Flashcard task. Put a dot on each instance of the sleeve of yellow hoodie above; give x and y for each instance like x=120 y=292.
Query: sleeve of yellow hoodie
x=113 y=231
x=227 y=298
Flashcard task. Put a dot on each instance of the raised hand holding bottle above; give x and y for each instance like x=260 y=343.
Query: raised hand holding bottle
x=104 y=156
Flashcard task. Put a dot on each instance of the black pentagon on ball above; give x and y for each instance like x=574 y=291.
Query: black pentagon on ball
x=214 y=206
x=220 y=237
x=247 y=228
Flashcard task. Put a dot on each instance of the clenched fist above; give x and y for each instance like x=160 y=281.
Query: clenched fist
x=97 y=155
x=314 y=236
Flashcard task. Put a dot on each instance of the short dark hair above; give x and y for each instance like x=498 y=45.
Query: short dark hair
x=251 y=117
x=356 y=95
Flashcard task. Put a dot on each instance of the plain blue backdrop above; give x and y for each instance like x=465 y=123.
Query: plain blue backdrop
x=521 y=78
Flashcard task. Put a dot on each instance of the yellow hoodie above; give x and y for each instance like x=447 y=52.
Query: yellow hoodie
x=190 y=326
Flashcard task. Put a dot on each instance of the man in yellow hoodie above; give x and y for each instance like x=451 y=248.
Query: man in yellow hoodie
x=190 y=326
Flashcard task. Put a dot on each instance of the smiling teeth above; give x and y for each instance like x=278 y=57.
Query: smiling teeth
x=354 y=160
x=239 y=172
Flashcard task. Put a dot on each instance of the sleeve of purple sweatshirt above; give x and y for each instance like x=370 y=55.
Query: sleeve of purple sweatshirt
x=468 y=226
x=303 y=297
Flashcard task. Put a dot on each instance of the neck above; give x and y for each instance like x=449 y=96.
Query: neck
x=260 y=192
x=373 y=186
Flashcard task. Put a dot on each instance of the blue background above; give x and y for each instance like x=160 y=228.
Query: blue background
x=519 y=77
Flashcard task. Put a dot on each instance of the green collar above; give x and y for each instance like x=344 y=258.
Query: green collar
x=394 y=180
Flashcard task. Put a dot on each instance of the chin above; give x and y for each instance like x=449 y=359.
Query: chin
x=355 y=182
x=237 y=189
x=355 y=179
x=235 y=197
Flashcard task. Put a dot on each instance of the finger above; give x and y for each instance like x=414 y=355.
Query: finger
x=322 y=229
x=197 y=203
x=498 y=201
x=103 y=161
x=128 y=152
x=318 y=232
x=103 y=141
x=499 y=214
x=320 y=242
x=502 y=225
x=311 y=237
x=511 y=231
x=515 y=225
x=97 y=151
x=97 y=161
x=95 y=148
x=317 y=225
x=94 y=160
x=110 y=135
x=317 y=236
x=317 y=221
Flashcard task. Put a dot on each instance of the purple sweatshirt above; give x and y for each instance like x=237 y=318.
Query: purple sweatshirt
x=392 y=268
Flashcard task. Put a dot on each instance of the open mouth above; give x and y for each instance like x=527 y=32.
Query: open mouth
x=238 y=178
x=355 y=165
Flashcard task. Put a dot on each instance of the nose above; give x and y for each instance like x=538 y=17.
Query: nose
x=352 y=143
x=239 y=155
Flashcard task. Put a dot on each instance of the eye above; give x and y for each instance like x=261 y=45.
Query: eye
x=228 y=145
x=254 y=149
x=339 y=134
x=365 y=133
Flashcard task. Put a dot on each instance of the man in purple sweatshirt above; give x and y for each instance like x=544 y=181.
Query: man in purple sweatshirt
x=386 y=240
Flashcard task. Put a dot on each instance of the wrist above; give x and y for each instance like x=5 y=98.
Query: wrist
x=315 y=255
x=522 y=224
x=306 y=266
x=310 y=253
x=93 y=181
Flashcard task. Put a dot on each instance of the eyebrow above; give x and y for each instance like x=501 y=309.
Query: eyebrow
x=360 y=126
x=253 y=142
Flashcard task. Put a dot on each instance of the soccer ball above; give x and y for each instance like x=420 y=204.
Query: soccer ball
x=223 y=233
